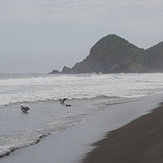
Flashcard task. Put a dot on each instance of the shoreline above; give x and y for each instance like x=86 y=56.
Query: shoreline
x=139 y=141
x=72 y=144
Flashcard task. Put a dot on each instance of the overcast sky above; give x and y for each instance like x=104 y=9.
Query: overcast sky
x=42 y=35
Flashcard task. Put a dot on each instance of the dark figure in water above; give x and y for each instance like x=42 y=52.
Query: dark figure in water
x=24 y=109
x=68 y=105
x=63 y=100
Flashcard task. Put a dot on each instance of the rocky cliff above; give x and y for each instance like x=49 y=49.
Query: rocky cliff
x=113 y=54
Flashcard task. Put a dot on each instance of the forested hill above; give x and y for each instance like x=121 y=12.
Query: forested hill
x=113 y=54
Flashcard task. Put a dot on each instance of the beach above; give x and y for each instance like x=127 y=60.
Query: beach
x=75 y=144
x=137 y=142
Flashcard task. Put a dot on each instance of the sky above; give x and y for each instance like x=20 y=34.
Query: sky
x=38 y=36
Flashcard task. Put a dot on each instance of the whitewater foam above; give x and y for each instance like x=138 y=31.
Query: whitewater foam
x=87 y=93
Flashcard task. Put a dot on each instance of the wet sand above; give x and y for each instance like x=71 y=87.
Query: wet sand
x=140 y=141
x=72 y=144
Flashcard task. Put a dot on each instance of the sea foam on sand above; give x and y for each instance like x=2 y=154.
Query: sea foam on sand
x=72 y=144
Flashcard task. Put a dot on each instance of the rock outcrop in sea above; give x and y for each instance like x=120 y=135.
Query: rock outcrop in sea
x=113 y=54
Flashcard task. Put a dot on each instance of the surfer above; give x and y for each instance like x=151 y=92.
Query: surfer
x=24 y=109
x=63 y=100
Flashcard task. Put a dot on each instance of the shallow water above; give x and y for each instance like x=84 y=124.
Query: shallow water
x=87 y=93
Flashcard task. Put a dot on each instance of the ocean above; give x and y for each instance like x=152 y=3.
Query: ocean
x=86 y=93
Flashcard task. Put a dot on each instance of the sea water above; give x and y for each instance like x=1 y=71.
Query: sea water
x=86 y=93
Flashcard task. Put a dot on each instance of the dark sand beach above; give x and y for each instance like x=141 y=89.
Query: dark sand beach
x=140 y=141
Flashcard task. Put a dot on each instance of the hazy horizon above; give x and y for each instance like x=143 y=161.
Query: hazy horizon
x=38 y=36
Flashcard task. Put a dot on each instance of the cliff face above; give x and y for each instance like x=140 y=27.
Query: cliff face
x=113 y=54
x=154 y=58
x=110 y=54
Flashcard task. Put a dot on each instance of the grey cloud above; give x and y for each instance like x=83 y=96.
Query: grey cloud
x=88 y=11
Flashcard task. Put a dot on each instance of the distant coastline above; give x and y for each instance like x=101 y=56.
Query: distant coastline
x=113 y=54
